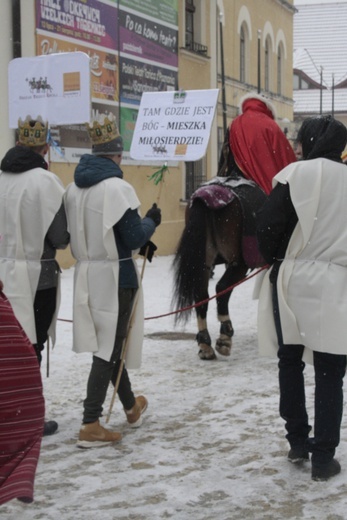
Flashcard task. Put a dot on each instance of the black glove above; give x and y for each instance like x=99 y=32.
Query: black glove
x=155 y=214
x=150 y=248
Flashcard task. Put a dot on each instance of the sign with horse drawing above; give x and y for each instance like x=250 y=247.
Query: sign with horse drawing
x=174 y=125
x=55 y=87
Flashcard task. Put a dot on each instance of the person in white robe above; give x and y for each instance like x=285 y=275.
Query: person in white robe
x=302 y=234
x=106 y=227
x=32 y=227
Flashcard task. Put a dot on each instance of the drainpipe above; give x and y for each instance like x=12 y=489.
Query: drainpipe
x=16 y=30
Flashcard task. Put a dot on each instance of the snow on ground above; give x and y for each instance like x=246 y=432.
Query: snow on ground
x=211 y=445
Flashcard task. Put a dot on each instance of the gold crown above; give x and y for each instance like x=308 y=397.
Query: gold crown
x=101 y=133
x=32 y=132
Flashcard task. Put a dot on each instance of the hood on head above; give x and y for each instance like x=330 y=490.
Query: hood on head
x=322 y=136
x=253 y=100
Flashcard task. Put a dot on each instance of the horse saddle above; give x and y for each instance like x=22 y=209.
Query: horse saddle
x=220 y=191
x=215 y=196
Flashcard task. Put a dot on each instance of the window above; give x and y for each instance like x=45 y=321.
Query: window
x=242 y=55
x=304 y=84
x=193 y=28
x=299 y=83
x=190 y=10
x=296 y=82
x=195 y=175
x=279 y=70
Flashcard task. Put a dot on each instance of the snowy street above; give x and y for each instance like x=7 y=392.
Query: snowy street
x=212 y=444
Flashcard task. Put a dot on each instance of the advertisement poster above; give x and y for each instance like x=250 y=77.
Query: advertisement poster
x=146 y=39
x=56 y=87
x=103 y=64
x=93 y=22
x=72 y=141
x=132 y=47
x=174 y=125
x=161 y=10
x=128 y=118
x=138 y=77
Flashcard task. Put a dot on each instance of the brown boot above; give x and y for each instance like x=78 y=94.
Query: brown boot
x=93 y=435
x=134 y=416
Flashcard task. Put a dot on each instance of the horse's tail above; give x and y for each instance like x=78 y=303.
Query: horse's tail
x=189 y=263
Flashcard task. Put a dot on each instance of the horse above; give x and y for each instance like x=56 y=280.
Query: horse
x=219 y=228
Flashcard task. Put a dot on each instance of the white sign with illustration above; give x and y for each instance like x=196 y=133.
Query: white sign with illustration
x=174 y=125
x=55 y=87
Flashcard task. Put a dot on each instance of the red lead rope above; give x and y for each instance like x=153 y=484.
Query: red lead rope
x=228 y=289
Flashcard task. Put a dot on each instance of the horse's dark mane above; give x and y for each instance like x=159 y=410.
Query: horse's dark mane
x=227 y=166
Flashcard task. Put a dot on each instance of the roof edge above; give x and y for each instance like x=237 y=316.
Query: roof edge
x=288 y=6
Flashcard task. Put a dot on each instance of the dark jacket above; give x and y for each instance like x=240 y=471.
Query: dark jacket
x=21 y=159
x=131 y=232
x=320 y=137
x=276 y=221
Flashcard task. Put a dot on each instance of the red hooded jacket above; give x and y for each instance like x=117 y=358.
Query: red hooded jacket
x=258 y=144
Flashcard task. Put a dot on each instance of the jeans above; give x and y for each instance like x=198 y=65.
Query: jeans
x=328 y=404
x=103 y=372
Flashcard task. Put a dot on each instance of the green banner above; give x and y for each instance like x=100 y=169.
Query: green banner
x=163 y=10
x=128 y=118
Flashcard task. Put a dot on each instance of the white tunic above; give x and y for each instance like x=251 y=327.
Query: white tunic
x=29 y=202
x=312 y=280
x=92 y=213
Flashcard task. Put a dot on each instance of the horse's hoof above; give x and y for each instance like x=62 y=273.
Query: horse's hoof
x=207 y=354
x=223 y=350
x=223 y=347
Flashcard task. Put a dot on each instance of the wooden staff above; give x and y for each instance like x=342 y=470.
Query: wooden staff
x=158 y=178
x=126 y=342
x=47 y=365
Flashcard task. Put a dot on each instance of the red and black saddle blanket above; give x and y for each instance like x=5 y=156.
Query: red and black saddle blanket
x=220 y=191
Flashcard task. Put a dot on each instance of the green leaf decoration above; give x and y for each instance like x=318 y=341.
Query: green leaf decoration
x=158 y=176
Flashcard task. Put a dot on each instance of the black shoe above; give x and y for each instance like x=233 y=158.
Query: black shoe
x=321 y=473
x=50 y=427
x=298 y=454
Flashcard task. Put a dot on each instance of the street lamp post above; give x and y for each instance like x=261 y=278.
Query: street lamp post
x=321 y=92
x=224 y=105
x=259 y=68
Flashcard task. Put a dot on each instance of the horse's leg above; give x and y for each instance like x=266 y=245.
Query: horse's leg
x=206 y=351
x=232 y=275
x=228 y=225
x=203 y=338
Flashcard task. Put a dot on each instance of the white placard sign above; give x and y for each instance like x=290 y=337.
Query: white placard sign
x=54 y=86
x=173 y=125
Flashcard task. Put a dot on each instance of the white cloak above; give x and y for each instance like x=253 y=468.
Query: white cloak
x=29 y=202
x=312 y=280
x=92 y=213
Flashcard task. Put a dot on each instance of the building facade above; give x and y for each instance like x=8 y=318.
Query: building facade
x=160 y=45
